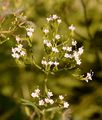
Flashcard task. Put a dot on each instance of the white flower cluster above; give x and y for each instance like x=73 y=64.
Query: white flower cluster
x=69 y=53
x=18 y=51
x=43 y=101
x=35 y=93
x=56 y=46
x=30 y=31
x=47 y=43
x=44 y=62
x=53 y=18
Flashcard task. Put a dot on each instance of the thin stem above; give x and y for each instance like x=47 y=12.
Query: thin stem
x=38 y=66
x=32 y=116
x=86 y=19
x=43 y=115
x=5 y=32
x=45 y=85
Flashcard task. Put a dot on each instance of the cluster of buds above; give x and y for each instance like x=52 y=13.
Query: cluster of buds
x=48 y=101
x=18 y=51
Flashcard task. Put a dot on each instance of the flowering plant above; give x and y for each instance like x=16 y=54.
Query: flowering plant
x=61 y=53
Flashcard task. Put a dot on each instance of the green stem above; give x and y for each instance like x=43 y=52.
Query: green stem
x=86 y=19
x=43 y=115
x=45 y=85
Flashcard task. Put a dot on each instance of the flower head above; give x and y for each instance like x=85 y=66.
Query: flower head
x=46 y=31
x=61 y=97
x=41 y=102
x=49 y=94
x=59 y=21
x=54 y=49
x=30 y=31
x=18 y=39
x=57 y=36
x=72 y=27
x=66 y=105
x=74 y=43
x=18 y=51
x=89 y=76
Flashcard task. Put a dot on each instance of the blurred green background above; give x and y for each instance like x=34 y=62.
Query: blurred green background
x=17 y=82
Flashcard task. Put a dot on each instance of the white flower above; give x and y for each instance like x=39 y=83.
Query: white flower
x=89 y=76
x=46 y=31
x=44 y=62
x=48 y=44
x=29 y=34
x=72 y=28
x=47 y=100
x=41 y=102
x=80 y=50
x=30 y=31
x=16 y=55
x=56 y=63
x=49 y=94
x=34 y=95
x=18 y=39
x=74 y=43
x=17 y=52
x=45 y=41
x=66 y=105
x=37 y=91
x=54 y=49
x=78 y=61
x=69 y=49
x=54 y=17
x=64 y=48
x=49 y=19
x=51 y=101
x=22 y=53
x=59 y=21
x=13 y=50
x=67 y=55
x=57 y=36
x=61 y=97
x=76 y=55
